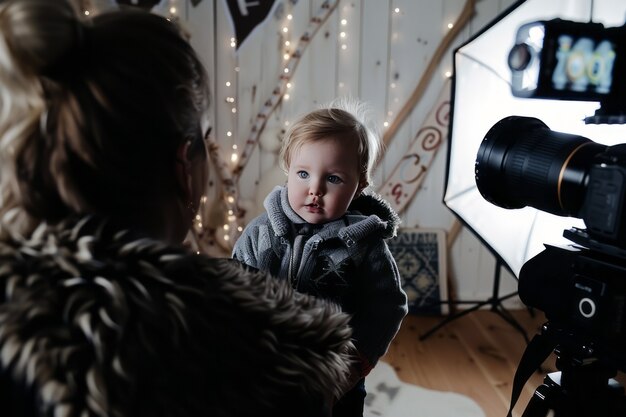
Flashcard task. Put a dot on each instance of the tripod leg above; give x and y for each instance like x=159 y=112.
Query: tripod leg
x=451 y=318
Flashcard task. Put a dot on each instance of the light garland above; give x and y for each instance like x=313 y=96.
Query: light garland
x=285 y=78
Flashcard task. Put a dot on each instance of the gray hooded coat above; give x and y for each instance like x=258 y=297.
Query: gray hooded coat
x=346 y=261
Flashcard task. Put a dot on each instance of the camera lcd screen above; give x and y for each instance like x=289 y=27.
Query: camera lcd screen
x=583 y=64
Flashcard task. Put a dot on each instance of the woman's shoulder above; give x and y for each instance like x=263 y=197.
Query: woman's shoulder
x=125 y=314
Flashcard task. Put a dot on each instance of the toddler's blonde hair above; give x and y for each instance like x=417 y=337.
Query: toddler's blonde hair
x=343 y=118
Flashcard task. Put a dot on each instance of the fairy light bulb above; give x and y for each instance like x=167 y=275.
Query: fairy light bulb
x=450 y=25
x=231 y=199
x=386 y=124
x=227 y=83
x=233 y=158
x=397 y=10
x=448 y=74
x=344 y=22
x=86 y=12
x=229 y=133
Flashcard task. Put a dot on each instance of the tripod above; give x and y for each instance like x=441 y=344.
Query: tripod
x=495 y=302
x=583 y=387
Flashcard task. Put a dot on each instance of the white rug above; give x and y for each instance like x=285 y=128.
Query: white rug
x=387 y=396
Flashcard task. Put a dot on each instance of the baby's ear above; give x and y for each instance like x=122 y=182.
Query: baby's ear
x=362 y=186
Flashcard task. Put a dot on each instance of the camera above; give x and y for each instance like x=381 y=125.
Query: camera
x=581 y=287
x=521 y=162
x=564 y=60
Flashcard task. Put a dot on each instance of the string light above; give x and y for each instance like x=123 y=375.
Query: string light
x=397 y=10
x=450 y=25
x=227 y=83
x=86 y=12
x=448 y=74
x=344 y=22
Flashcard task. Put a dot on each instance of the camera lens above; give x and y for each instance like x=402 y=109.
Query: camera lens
x=521 y=162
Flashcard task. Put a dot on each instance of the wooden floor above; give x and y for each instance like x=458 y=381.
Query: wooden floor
x=475 y=355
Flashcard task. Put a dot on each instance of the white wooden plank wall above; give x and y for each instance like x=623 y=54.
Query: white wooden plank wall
x=386 y=53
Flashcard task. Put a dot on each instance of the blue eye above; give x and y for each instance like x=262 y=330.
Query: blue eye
x=333 y=179
x=302 y=174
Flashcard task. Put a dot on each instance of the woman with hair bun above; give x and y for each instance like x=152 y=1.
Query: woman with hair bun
x=102 y=311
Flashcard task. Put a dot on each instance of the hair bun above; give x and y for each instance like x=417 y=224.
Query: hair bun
x=41 y=34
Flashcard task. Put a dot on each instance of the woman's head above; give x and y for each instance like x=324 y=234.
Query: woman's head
x=94 y=115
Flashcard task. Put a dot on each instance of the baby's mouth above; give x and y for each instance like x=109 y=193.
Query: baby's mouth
x=314 y=204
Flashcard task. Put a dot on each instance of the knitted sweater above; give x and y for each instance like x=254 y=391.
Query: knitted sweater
x=346 y=261
x=96 y=321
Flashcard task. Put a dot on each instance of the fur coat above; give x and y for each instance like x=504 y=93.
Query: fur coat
x=98 y=321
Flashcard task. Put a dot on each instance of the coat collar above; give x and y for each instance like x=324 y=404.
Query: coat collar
x=367 y=214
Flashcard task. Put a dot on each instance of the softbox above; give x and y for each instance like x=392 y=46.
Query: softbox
x=481 y=96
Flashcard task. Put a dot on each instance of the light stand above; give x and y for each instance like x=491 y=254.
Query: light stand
x=495 y=303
